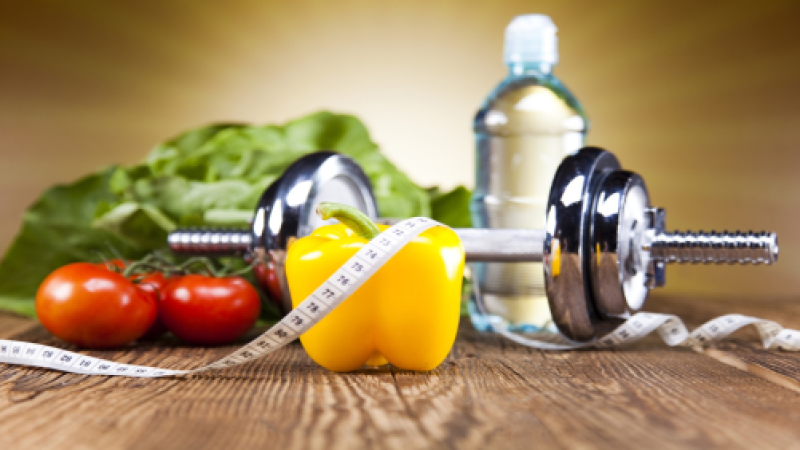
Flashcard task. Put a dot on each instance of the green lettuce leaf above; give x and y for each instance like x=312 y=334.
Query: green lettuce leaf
x=57 y=230
x=451 y=208
x=207 y=176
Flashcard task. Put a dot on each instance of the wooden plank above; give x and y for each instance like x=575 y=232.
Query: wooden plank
x=744 y=351
x=489 y=393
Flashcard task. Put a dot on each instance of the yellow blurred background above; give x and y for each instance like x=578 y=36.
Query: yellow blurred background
x=700 y=97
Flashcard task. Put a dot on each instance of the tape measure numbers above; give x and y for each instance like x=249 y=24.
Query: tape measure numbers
x=670 y=327
x=319 y=304
x=350 y=277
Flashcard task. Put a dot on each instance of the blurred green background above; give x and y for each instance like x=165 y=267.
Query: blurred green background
x=701 y=98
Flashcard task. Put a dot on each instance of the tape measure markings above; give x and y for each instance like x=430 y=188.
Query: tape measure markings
x=357 y=270
x=670 y=328
x=672 y=331
x=330 y=293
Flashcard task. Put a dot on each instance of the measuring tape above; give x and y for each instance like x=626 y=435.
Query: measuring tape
x=319 y=304
x=357 y=270
x=670 y=327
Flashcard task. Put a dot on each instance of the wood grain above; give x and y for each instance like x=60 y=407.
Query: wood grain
x=489 y=393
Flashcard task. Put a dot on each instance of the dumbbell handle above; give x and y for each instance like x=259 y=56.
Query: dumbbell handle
x=703 y=248
x=209 y=242
x=509 y=245
x=523 y=245
x=502 y=245
x=479 y=244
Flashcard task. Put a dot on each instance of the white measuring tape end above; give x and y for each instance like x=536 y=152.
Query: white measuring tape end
x=357 y=270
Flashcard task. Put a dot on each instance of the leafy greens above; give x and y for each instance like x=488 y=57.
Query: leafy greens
x=206 y=176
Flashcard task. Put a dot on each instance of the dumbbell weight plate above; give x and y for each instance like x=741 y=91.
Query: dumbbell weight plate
x=567 y=238
x=286 y=210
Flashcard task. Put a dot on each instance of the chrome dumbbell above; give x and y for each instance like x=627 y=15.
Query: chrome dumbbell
x=285 y=211
x=604 y=247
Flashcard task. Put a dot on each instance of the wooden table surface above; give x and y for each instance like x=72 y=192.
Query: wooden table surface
x=488 y=394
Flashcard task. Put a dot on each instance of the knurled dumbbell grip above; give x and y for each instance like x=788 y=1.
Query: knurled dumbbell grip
x=725 y=247
x=209 y=242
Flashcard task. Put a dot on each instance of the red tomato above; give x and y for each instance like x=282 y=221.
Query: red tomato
x=93 y=307
x=155 y=285
x=267 y=277
x=209 y=311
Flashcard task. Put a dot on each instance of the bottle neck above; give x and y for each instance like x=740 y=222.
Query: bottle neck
x=529 y=68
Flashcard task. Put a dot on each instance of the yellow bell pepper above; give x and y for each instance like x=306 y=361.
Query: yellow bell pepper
x=406 y=314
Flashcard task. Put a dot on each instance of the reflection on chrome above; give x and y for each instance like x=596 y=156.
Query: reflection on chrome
x=298 y=194
x=258 y=223
x=551 y=220
x=573 y=192
x=609 y=206
x=276 y=217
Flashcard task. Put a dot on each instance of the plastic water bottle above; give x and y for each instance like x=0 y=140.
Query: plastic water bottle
x=526 y=126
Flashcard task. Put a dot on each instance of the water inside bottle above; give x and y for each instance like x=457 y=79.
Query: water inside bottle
x=524 y=131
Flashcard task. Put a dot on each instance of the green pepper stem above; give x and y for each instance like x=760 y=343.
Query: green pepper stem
x=351 y=217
